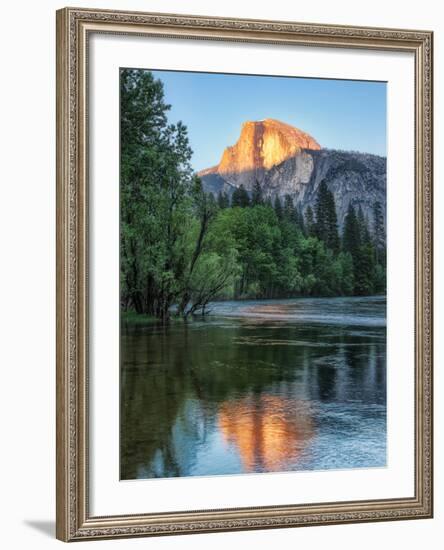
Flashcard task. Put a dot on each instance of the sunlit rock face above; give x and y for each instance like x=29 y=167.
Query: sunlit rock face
x=262 y=145
x=287 y=161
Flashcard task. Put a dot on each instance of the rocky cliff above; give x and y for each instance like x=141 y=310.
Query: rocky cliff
x=285 y=160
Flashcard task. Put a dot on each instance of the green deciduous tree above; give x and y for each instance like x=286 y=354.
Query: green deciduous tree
x=154 y=181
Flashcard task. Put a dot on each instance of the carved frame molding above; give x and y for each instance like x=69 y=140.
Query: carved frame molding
x=73 y=27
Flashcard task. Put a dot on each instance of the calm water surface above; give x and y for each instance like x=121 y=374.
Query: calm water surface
x=265 y=386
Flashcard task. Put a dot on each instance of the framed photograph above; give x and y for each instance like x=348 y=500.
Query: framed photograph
x=244 y=274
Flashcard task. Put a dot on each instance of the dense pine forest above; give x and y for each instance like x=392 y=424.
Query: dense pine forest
x=182 y=248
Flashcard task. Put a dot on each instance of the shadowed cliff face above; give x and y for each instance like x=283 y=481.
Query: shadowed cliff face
x=287 y=161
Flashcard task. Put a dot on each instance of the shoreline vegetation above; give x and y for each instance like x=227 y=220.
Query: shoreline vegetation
x=183 y=247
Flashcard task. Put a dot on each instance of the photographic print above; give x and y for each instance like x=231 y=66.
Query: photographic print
x=240 y=273
x=253 y=283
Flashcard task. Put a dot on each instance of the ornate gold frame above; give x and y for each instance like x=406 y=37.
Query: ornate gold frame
x=73 y=519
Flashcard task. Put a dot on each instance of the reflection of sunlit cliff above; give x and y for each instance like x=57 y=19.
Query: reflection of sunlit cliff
x=267 y=430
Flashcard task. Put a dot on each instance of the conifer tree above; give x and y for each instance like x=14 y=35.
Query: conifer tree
x=268 y=202
x=256 y=197
x=362 y=223
x=320 y=209
x=310 y=224
x=300 y=219
x=332 y=223
x=326 y=219
x=364 y=270
x=240 y=197
x=278 y=207
x=222 y=200
x=357 y=241
x=289 y=211
x=379 y=233
x=234 y=198
x=351 y=237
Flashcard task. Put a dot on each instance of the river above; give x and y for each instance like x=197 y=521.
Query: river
x=256 y=386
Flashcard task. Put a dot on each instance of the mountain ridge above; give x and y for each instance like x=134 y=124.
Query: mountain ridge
x=352 y=177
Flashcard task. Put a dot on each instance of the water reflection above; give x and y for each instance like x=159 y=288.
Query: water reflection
x=244 y=392
x=266 y=430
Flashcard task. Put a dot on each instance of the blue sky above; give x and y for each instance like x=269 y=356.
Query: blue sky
x=339 y=114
